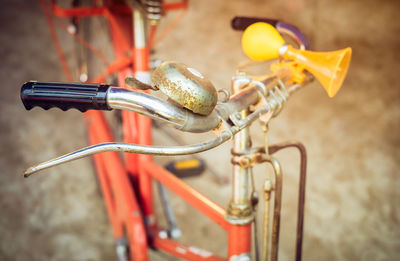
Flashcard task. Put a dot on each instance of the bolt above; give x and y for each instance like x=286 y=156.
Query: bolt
x=244 y=162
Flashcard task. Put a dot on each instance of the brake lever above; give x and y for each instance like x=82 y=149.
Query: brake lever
x=132 y=148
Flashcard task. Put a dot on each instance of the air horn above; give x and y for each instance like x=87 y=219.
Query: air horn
x=261 y=42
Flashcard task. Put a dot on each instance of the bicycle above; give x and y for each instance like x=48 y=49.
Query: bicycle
x=195 y=108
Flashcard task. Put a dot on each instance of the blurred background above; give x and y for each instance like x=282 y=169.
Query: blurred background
x=353 y=184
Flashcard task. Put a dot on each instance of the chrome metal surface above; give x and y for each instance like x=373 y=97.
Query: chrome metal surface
x=155 y=108
x=121 y=249
x=173 y=230
x=240 y=209
x=146 y=104
x=151 y=9
x=283 y=49
x=132 y=148
x=277 y=206
x=185 y=86
x=139 y=29
x=119 y=98
x=219 y=178
x=241 y=257
x=240 y=180
x=154 y=10
x=254 y=202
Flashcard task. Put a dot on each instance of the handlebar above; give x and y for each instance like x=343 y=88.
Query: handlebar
x=240 y=23
x=81 y=96
x=267 y=96
x=104 y=97
x=195 y=107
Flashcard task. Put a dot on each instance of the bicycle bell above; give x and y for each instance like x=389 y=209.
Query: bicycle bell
x=185 y=86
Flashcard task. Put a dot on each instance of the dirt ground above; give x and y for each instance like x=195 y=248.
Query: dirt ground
x=353 y=185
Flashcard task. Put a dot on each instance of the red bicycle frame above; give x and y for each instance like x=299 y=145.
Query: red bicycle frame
x=127 y=184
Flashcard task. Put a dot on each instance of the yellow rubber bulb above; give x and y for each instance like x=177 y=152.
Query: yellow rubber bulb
x=261 y=42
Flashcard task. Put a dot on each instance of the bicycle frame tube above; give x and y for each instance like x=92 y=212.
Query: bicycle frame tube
x=239 y=236
x=127 y=187
x=121 y=32
x=141 y=70
x=116 y=188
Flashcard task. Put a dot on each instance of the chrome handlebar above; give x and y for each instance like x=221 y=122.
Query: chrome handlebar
x=185 y=120
x=158 y=109
x=265 y=97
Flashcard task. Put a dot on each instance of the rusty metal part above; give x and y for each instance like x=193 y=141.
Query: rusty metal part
x=254 y=202
x=258 y=156
x=154 y=150
x=270 y=103
x=239 y=214
x=240 y=210
x=225 y=94
x=151 y=9
x=185 y=86
x=248 y=160
x=184 y=120
x=135 y=83
x=277 y=206
x=267 y=196
x=119 y=98
x=302 y=189
x=251 y=157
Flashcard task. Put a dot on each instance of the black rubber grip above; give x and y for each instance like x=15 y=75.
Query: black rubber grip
x=81 y=96
x=242 y=22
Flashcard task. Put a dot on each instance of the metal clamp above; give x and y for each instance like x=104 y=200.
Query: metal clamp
x=248 y=160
